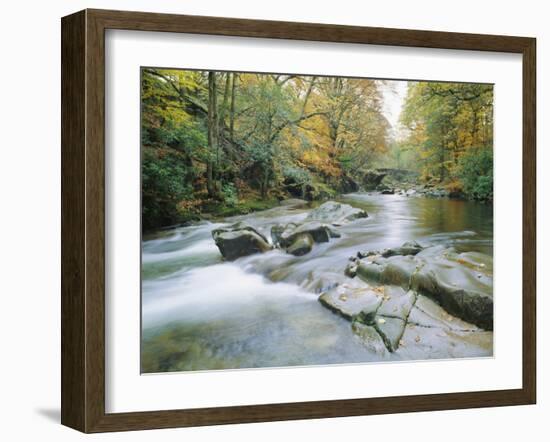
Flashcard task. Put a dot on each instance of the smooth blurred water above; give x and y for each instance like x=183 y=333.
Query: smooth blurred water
x=201 y=313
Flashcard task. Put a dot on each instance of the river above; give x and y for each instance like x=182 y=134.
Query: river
x=201 y=313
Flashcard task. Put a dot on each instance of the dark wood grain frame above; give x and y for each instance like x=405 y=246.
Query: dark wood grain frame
x=83 y=220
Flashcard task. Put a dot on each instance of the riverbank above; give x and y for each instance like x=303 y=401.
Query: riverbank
x=217 y=210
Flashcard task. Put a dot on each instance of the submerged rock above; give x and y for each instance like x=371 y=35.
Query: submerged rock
x=336 y=213
x=240 y=240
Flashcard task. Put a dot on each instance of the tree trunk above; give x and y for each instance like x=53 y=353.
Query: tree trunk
x=264 y=184
x=232 y=110
x=222 y=123
x=225 y=99
x=213 y=147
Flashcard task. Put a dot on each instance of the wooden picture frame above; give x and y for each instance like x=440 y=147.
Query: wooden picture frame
x=83 y=220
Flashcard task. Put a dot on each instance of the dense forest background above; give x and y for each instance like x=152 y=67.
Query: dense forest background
x=223 y=143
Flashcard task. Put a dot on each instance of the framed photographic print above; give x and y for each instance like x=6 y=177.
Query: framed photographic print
x=269 y=220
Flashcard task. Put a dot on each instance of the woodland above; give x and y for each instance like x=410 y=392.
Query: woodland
x=216 y=144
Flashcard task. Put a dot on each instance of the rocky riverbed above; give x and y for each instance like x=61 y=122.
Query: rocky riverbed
x=393 y=278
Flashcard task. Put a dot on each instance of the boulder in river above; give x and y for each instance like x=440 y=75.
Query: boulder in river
x=336 y=213
x=391 y=317
x=284 y=236
x=431 y=332
x=385 y=309
x=460 y=282
x=302 y=244
x=240 y=240
x=408 y=248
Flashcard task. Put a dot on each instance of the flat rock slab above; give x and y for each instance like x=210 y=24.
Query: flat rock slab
x=461 y=283
x=438 y=343
x=349 y=301
x=390 y=330
x=320 y=282
x=370 y=338
x=383 y=309
x=458 y=290
x=397 y=302
x=396 y=270
x=427 y=313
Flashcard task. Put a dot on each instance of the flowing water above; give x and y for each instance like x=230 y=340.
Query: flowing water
x=201 y=313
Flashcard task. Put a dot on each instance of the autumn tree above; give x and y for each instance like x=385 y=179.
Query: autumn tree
x=451 y=125
x=215 y=141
